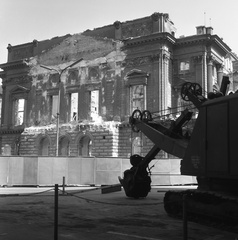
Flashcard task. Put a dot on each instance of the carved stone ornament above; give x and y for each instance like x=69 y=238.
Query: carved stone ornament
x=155 y=16
x=9 y=47
x=211 y=59
x=198 y=59
x=137 y=61
x=155 y=57
x=166 y=17
x=117 y=24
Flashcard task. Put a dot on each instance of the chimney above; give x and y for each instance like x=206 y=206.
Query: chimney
x=201 y=30
x=209 y=30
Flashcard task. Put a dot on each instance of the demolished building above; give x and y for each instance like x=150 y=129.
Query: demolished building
x=73 y=95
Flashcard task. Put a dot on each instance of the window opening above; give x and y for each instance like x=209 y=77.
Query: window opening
x=184 y=66
x=74 y=107
x=54 y=109
x=44 y=147
x=137 y=146
x=0 y=110
x=137 y=97
x=85 y=146
x=19 y=111
x=64 y=147
x=94 y=104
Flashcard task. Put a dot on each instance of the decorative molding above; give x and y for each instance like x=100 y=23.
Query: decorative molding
x=18 y=80
x=92 y=86
x=19 y=92
x=72 y=88
x=136 y=77
x=211 y=59
x=198 y=59
x=12 y=130
x=53 y=91
x=161 y=37
x=138 y=61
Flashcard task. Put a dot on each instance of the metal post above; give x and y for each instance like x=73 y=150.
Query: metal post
x=185 y=230
x=64 y=185
x=56 y=213
x=58 y=118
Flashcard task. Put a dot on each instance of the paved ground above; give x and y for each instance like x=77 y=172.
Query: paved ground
x=29 y=215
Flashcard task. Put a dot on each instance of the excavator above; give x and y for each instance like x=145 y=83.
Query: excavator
x=208 y=151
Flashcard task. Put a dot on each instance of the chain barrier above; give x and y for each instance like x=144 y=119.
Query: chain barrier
x=108 y=203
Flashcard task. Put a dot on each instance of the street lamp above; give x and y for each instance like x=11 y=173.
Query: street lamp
x=60 y=72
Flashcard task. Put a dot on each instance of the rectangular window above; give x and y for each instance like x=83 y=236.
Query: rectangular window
x=74 y=107
x=54 y=106
x=184 y=66
x=19 y=106
x=137 y=97
x=94 y=104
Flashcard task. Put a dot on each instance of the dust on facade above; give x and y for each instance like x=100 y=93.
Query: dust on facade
x=81 y=89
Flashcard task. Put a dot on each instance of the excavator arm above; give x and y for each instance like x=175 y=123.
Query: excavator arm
x=167 y=139
x=136 y=181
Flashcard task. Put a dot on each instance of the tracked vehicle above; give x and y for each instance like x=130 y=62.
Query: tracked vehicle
x=209 y=152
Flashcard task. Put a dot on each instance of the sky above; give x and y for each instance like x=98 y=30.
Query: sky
x=22 y=21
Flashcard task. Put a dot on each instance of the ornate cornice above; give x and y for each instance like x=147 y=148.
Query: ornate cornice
x=14 y=64
x=2 y=74
x=164 y=36
x=18 y=130
x=206 y=39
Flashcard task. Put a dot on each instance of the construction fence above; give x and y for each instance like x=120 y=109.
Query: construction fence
x=43 y=171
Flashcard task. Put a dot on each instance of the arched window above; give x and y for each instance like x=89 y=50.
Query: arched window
x=16 y=146
x=44 y=147
x=64 y=146
x=85 y=146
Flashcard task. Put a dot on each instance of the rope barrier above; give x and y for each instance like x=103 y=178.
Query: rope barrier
x=25 y=194
x=107 y=203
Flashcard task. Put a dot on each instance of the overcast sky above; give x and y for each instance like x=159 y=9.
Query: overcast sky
x=22 y=21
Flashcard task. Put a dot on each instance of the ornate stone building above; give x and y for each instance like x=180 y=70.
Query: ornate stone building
x=73 y=95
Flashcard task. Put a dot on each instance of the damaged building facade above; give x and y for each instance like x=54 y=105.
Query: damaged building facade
x=73 y=95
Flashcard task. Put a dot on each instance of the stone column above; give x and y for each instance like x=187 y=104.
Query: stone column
x=155 y=81
x=198 y=60
x=167 y=83
x=209 y=75
x=219 y=74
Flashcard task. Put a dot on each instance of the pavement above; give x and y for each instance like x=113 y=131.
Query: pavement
x=83 y=212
